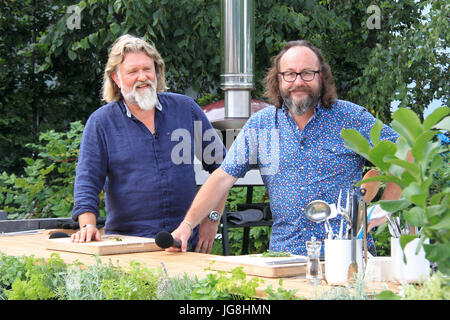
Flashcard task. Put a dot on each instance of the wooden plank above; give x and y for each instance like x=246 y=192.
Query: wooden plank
x=109 y=244
x=258 y=265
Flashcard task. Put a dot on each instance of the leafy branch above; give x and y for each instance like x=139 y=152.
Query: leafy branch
x=420 y=207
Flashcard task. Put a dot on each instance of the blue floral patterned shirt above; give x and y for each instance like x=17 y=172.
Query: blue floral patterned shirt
x=299 y=166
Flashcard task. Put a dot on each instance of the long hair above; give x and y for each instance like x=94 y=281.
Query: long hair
x=123 y=45
x=328 y=90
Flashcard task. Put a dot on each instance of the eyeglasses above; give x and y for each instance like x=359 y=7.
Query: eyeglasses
x=307 y=75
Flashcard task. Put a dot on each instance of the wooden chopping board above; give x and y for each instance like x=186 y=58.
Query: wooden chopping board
x=258 y=265
x=109 y=244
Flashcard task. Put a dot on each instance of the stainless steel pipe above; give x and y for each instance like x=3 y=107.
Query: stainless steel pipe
x=238 y=47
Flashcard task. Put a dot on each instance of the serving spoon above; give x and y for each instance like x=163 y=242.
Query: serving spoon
x=318 y=211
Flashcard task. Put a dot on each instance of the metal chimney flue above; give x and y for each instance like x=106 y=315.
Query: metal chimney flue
x=238 y=47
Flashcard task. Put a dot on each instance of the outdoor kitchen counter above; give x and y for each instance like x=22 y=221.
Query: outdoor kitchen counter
x=174 y=262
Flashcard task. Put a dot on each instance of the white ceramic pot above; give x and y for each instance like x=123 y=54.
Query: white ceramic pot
x=416 y=268
x=338 y=255
x=378 y=269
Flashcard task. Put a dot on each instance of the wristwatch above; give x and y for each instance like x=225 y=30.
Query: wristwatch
x=214 y=216
x=88 y=225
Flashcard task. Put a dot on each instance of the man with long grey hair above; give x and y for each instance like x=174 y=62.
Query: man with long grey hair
x=312 y=162
x=127 y=149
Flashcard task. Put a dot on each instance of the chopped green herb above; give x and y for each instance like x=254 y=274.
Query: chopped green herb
x=270 y=253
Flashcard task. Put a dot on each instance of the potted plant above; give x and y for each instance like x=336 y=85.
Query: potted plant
x=419 y=207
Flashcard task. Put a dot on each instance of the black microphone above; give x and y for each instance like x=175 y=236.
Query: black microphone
x=55 y=235
x=165 y=240
x=155 y=135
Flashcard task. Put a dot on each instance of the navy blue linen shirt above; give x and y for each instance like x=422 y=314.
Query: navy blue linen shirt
x=299 y=166
x=149 y=180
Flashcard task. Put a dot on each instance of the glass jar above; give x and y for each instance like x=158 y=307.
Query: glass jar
x=313 y=267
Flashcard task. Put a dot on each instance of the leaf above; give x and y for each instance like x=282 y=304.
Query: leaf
x=355 y=141
x=178 y=32
x=416 y=216
x=117 y=6
x=415 y=194
x=436 y=163
x=437 y=252
x=93 y=38
x=405 y=239
x=412 y=168
x=409 y=120
x=84 y=43
x=115 y=28
x=380 y=151
x=434 y=117
x=29 y=161
x=443 y=125
x=371 y=179
x=380 y=229
x=401 y=153
x=436 y=199
x=444 y=224
x=72 y=55
x=431 y=149
x=420 y=145
x=437 y=209
x=387 y=295
x=375 y=132
x=384 y=179
x=402 y=148
x=394 y=205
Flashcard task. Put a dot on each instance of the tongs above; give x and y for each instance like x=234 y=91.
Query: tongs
x=362 y=213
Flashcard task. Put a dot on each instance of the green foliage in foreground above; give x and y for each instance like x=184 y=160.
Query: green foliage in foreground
x=437 y=287
x=30 y=278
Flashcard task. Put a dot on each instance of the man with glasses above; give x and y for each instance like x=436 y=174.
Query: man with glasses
x=297 y=147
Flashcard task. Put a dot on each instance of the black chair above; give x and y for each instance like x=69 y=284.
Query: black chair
x=266 y=221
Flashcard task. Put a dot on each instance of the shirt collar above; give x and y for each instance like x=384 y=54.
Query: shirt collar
x=128 y=112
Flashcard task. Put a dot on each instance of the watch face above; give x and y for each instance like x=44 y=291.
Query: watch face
x=214 y=216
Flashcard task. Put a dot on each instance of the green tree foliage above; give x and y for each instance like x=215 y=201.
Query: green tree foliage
x=46 y=187
x=52 y=68
x=411 y=64
x=22 y=91
x=33 y=100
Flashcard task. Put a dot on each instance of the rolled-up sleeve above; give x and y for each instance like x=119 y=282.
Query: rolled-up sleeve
x=212 y=150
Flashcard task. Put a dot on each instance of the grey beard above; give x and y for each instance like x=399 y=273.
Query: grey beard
x=303 y=106
x=146 y=100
